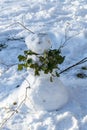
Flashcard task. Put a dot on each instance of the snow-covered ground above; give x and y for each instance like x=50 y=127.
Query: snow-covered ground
x=61 y=19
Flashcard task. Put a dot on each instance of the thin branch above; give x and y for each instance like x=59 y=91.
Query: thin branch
x=14 y=110
x=28 y=97
x=78 y=63
x=21 y=25
x=25 y=27
x=5 y=120
x=17 y=109
x=67 y=39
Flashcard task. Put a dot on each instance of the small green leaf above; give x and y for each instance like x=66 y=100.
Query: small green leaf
x=21 y=58
x=32 y=66
x=29 y=61
x=57 y=74
x=84 y=68
x=60 y=59
x=25 y=52
x=29 y=52
x=20 y=66
x=37 y=72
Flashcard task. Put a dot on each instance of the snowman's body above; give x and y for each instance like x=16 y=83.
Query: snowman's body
x=44 y=94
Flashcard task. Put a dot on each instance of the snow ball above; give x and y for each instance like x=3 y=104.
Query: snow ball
x=46 y=95
x=38 y=43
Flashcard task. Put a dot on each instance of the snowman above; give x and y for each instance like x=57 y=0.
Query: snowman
x=44 y=94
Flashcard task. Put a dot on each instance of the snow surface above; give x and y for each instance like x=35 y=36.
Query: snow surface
x=63 y=18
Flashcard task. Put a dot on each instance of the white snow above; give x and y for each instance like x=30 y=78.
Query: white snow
x=38 y=43
x=59 y=19
x=46 y=95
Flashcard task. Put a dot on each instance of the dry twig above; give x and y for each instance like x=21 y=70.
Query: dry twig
x=25 y=27
x=78 y=63
x=13 y=111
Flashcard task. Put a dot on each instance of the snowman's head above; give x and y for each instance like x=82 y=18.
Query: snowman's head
x=38 y=43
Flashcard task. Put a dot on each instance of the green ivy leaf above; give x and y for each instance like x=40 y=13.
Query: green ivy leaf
x=29 y=52
x=84 y=68
x=60 y=59
x=57 y=74
x=21 y=58
x=47 y=62
x=20 y=67
x=29 y=61
x=36 y=72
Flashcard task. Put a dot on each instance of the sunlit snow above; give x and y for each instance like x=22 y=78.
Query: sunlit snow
x=61 y=20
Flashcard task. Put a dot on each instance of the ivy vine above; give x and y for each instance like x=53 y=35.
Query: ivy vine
x=47 y=62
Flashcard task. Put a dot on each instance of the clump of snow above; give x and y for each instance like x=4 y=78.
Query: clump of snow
x=38 y=42
x=46 y=95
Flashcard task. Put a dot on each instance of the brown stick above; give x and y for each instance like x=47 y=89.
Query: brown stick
x=25 y=27
x=78 y=63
